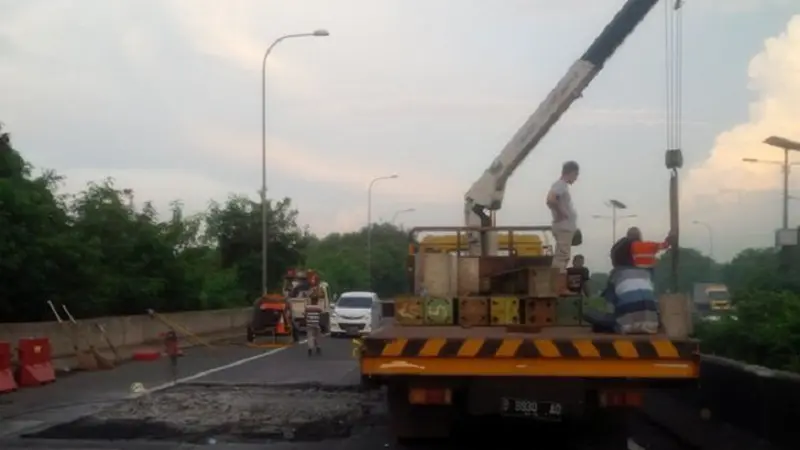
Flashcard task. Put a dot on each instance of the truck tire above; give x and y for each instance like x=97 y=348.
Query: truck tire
x=410 y=423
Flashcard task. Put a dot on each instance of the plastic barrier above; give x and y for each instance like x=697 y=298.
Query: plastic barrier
x=35 y=363
x=7 y=383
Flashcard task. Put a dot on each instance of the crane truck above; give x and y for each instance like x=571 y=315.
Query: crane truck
x=485 y=333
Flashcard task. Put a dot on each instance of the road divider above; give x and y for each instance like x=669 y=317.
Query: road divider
x=7 y=381
x=35 y=362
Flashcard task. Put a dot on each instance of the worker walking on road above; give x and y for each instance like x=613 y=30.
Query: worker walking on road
x=313 y=314
x=565 y=219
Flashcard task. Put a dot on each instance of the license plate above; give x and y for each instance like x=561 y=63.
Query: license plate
x=529 y=408
x=351 y=330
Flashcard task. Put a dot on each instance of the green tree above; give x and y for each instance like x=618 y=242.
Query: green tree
x=342 y=260
x=33 y=231
x=235 y=229
x=694 y=267
x=101 y=254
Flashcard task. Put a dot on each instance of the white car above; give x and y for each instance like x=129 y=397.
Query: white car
x=355 y=313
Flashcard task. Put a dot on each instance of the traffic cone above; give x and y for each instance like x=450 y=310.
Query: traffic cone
x=281 y=327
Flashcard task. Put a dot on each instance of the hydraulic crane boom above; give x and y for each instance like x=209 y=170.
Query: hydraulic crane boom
x=486 y=195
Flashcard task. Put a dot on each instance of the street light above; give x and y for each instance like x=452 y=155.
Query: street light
x=369 y=223
x=615 y=205
x=786 y=145
x=710 y=236
x=317 y=33
x=397 y=213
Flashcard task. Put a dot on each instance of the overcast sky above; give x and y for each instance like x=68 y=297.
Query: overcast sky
x=165 y=96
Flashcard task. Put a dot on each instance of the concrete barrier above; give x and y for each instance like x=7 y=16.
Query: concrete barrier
x=127 y=331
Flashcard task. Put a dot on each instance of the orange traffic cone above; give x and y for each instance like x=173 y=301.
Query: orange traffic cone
x=281 y=327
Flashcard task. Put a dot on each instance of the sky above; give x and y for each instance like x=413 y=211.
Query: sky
x=165 y=97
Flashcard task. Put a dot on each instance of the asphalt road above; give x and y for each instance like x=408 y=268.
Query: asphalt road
x=264 y=392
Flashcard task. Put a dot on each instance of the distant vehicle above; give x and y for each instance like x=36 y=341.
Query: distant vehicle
x=355 y=314
x=711 y=300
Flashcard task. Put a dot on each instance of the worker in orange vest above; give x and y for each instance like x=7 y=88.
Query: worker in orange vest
x=644 y=254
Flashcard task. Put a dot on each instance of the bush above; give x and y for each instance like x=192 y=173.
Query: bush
x=765 y=330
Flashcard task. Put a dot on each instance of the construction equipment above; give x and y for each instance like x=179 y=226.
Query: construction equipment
x=89 y=359
x=272 y=318
x=485 y=333
x=298 y=287
x=521 y=245
x=101 y=329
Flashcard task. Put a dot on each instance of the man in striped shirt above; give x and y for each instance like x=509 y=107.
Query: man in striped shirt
x=313 y=314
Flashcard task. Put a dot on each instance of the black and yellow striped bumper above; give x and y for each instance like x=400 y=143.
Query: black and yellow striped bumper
x=654 y=349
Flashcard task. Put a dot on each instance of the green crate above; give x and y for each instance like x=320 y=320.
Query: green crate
x=438 y=311
x=569 y=311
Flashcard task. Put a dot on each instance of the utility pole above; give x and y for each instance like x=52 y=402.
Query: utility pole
x=369 y=223
x=615 y=205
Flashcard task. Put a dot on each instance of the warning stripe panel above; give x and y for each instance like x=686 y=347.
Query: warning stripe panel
x=623 y=349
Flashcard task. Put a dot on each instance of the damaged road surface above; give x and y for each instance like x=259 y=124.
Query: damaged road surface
x=224 y=413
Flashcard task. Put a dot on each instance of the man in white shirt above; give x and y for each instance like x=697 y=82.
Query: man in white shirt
x=565 y=219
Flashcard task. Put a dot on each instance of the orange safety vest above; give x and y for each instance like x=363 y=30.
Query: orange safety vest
x=644 y=253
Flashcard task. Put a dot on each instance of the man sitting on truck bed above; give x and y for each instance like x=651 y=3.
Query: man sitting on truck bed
x=630 y=286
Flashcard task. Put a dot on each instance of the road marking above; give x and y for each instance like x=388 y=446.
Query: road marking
x=203 y=373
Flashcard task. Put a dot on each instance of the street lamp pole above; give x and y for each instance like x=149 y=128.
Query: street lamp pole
x=615 y=205
x=710 y=236
x=369 y=223
x=786 y=145
x=264 y=235
x=397 y=213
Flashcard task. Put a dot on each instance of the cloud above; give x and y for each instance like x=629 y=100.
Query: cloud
x=319 y=165
x=159 y=186
x=774 y=77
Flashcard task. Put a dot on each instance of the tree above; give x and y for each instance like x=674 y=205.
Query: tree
x=100 y=254
x=33 y=228
x=694 y=267
x=342 y=260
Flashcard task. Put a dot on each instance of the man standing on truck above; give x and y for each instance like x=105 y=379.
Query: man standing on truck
x=313 y=313
x=565 y=219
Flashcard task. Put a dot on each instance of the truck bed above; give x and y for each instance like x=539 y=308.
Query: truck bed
x=556 y=351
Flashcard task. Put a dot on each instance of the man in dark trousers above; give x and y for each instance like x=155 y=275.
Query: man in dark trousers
x=313 y=329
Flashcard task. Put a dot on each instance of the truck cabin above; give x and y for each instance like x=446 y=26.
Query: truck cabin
x=297 y=283
x=719 y=300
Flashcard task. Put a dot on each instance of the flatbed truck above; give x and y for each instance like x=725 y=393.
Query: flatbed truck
x=480 y=335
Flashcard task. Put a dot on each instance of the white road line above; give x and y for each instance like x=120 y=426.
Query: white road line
x=203 y=373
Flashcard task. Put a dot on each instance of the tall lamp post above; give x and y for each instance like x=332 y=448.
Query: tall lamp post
x=710 y=236
x=615 y=205
x=787 y=146
x=711 y=273
x=402 y=211
x=317 y=33
x=369 y=223
x=784 y=237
